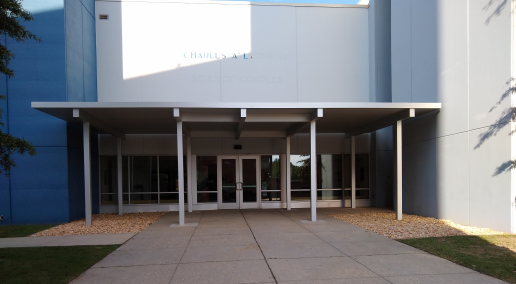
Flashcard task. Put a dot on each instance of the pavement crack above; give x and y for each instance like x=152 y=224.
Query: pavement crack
x=184 y=252
x=268 y=265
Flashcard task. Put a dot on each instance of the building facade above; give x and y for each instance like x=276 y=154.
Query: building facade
x=190 y=105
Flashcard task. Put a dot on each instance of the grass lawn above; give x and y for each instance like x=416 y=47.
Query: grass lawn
x=491 y=255
x=21 y=230
x=48 y=264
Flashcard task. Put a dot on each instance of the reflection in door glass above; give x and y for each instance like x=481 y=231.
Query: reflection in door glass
x=249 y=180
x=228 y=181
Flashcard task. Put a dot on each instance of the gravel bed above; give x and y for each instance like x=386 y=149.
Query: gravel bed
x=412 y=226
x=105 y=224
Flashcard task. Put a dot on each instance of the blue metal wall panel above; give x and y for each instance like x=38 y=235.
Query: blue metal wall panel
x=40 y=187
x=36 y=206
x=39 y=76
x=43 y=171
x=74 y=52
x=90 y=55
x=81 y=65
x=5 y=201
x=89 y=5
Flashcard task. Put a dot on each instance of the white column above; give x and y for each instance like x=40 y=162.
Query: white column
x=289 y=196
x=313 y=173
x=353 y=176
x=119 y=175
x=189 y=172
x=87 y=171
x=180 y=173
x=398 y=172
x=283 y=175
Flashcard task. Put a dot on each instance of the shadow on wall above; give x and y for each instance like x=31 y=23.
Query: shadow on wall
x=508 y=115
x=505 y=117
x=498 y=10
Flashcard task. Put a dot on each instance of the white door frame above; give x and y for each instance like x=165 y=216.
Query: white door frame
x=250 y=205
x=239 y=204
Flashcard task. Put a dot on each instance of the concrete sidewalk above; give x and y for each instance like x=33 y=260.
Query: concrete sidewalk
x=58 y=241
x=270 y=246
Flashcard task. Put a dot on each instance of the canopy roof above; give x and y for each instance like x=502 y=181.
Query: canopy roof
x=218 y=119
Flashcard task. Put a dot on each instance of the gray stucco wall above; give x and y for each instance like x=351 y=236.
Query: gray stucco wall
x=455 y=162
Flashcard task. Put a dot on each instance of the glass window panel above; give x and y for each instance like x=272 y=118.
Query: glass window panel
x=228 y=180
x=329 y=195
x=144 y=198
x=271 y=195
x=329 y=171
x=168 y=178
x=347 y=171
x=168 y=174
x=125 y=198
x=170 y=198
x=108 y=175
x=347 y=194
x=362 y=194
x=362 y=170
x=270 y=172
x=141 y=174
x=300 y=195
x=109 y=199
x=154 y=174
x=206 y=197
x=207 y=173
x=249 y=182
x=125 y=174
x=300 y=172
x=361 y=173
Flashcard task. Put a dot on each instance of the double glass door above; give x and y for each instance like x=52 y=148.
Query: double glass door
x=238 y=181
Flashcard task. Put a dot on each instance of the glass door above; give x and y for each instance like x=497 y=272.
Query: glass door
x=228 y=182
x=238 y=182
x=249 y=181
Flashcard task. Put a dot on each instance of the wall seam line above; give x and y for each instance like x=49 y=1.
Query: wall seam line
x=89 y=12
x=82 y=53
x=297 y=57
x=468 y=90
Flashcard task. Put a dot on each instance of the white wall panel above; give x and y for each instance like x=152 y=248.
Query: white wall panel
x=401 y=49
x=490 y=61
x=253 y=146
x=452 y=66
x=333 y=54
x=133 y=145
x=206 y=146
x=424 y=59
x=160 y=144
x=111 y=85
x=107 y=145
x=202 y=52
x=420 y=178
x=137 y=144
x=490 y=183
x=453 y=178
x=269 y=72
